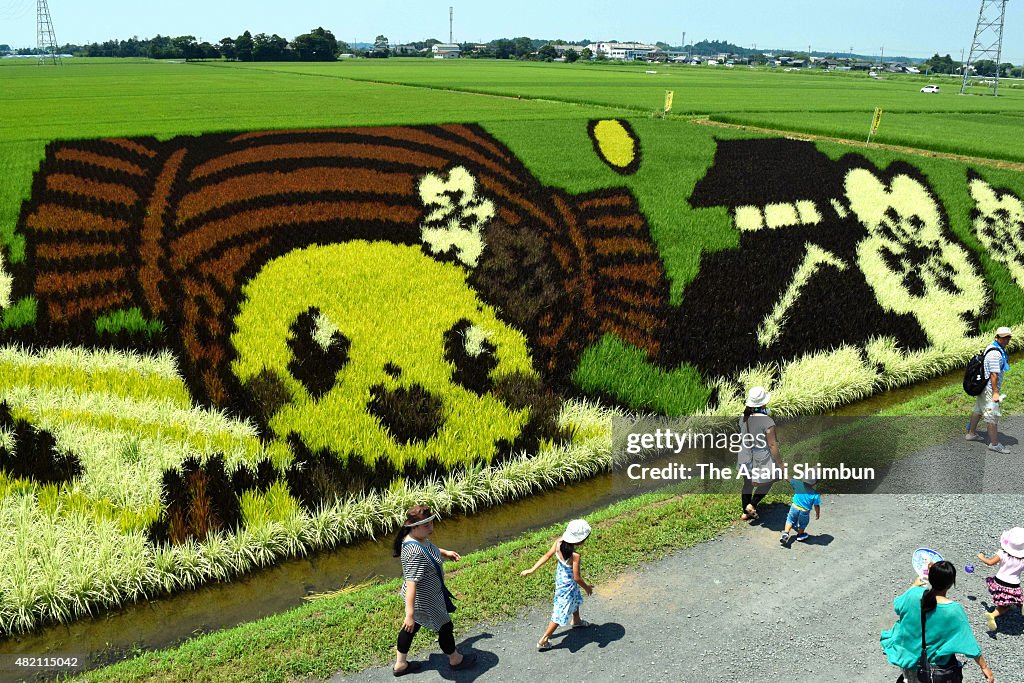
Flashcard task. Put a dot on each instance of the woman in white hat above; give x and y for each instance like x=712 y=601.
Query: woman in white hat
x=1005 y=587
x=755 y=463
x=568 y=580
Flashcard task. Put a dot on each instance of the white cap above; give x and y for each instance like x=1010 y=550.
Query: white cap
x=1004 y=332
x=575 y=531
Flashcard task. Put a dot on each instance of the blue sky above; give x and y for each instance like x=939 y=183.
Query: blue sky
x=916 y=28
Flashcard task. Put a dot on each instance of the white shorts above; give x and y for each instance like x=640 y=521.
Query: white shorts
x=986 y=407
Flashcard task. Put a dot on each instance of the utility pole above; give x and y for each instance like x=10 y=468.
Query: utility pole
x=881 y=59
x=451 y=20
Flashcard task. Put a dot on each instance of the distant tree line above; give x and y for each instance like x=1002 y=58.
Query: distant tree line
x=982 y=67
x=320 y=45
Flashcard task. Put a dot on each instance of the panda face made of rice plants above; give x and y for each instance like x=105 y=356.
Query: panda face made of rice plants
x=379 y=353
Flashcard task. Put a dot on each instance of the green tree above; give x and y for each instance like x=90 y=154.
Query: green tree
x=523 y=46
x=227 y=48
x=942 y=65
x=244 y=46
x=571 y=55
x=380 y=47
x=586 y=54
x=319 y=45
x=504 y=48
x=547 y=52
x=985 y=67
x=187 y=47
x=268 y=48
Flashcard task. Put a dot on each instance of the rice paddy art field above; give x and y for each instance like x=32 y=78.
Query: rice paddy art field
x=254 y=311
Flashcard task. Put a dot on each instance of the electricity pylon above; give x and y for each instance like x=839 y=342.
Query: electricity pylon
x=46 y=41
x=988 y=40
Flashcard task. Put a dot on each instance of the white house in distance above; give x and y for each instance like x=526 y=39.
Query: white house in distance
x=446 y=50
x=624 y=51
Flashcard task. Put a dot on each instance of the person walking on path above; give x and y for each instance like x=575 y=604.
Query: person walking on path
x=946 y=630
x=427 y=600
x=568 y=580
x=987 y=405
x=804 y=498
x=1005 y=587
x=753 y=463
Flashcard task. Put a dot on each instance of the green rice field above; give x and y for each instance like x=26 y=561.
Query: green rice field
x=658 y=198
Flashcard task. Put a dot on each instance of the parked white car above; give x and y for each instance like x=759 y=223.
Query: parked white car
x=930 y=88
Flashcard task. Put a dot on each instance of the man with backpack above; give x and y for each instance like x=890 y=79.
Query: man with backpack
x=986 y=407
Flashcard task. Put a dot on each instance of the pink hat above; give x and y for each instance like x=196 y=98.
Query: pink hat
x=1013 y=542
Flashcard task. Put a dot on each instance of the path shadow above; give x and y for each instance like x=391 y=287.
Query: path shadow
x=771 y=517
x=1011 y=624
x=603 y=635
x=485 y=661
x=817 y=539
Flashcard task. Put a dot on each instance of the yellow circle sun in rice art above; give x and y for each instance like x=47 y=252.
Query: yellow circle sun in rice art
x=616 y=144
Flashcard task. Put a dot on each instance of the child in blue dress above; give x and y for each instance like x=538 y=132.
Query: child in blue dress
x=568 y=581
x=804 y=498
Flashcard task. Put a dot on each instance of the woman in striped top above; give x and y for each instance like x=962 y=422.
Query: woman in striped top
x=427 y=601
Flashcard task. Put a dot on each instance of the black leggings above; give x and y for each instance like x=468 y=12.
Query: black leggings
x=753 y=495
x=445 y=638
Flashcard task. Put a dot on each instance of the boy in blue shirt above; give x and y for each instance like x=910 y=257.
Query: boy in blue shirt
x=804 y=498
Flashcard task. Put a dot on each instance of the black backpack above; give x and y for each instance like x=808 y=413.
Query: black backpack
x=975 y=377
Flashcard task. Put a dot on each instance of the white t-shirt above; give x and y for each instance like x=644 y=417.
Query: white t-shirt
x=1010 y=568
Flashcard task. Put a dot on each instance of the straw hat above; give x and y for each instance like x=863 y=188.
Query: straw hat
x=1013 y=542
x=757 y=397
x=577 y=530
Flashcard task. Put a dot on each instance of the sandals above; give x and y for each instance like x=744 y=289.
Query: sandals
x=583 y=624
x=410 y=668
x=544 y=647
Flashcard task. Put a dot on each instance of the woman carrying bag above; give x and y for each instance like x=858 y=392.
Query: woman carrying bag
x=428 y=601
x=932 y=625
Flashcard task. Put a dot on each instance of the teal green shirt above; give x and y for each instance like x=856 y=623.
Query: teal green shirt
x=948 y=632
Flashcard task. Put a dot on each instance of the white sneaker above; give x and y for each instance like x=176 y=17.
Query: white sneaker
x=998 y=448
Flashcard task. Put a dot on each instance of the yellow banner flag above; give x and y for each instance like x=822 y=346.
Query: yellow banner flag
x=668 y=101
x=875 y=120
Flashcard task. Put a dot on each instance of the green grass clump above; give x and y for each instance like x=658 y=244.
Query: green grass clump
x=130 y=320
x=614 y=368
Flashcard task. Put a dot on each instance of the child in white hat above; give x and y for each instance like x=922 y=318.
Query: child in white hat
x=568 y=580
x=1005 y=587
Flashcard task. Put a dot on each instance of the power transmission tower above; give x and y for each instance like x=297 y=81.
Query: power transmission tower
x=988 y=40
x=46 y=41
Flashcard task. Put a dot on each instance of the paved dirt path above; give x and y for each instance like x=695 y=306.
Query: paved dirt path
x=743 y=608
